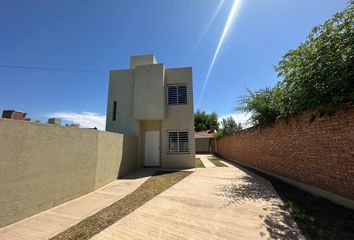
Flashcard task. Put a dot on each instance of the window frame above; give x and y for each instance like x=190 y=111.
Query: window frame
x=178 y=141
x=177 y=97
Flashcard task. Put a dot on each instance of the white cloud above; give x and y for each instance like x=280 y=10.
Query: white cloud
x=85 y=119
x=243 y=118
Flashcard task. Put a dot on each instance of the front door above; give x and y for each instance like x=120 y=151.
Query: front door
x=152 y=149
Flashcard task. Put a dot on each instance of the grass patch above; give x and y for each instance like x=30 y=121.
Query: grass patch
x=94 y=224
x=316 y=217
x=199 y=163
x=217 y=162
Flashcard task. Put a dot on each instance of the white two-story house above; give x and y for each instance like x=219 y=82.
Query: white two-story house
x=155 y=104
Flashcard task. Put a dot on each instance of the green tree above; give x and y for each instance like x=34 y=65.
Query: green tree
x=317 y=74
x=263 y=105
x=204 y=121
x=229 y=126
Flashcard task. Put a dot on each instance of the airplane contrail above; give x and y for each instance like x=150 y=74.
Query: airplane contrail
x=234 y=10
x=212 y=19
x=206 y=29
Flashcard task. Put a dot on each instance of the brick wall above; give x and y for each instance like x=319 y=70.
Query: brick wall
x=320 y=154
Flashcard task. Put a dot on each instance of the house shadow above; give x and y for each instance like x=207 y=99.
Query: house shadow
x=128 y=168
x=139 y=173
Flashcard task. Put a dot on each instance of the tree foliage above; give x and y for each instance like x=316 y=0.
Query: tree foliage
x=204 y=121
x=317 y=74
x=229 y=126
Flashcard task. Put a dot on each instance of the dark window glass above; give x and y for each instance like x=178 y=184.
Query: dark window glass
x=177 y=94
x=172 y=94
x=114 y=116
x=178 y=142
x=172 y=142
x=182 y=94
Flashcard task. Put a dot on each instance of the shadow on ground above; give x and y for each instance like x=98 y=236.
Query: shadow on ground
x=277 y=221
x=280 y=224
x=246 y=188
x=140 y=173
x=318 y=218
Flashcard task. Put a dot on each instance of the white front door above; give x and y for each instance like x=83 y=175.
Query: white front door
x=152 y=149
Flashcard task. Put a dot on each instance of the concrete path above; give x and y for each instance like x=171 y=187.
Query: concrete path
x=51 y=222
x=211 y=203
x=204 y=159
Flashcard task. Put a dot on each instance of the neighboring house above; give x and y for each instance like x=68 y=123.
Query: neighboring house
x=56 y=121
x=155 y=104
x=204 y=142
x=12 y=114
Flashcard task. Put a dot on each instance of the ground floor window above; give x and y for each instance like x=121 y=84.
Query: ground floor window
x=178 y=142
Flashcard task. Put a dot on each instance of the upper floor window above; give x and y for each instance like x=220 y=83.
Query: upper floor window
x=177 y=94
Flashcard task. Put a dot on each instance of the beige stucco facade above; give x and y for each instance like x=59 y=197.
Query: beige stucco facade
x=44 y=165
x=137 y=104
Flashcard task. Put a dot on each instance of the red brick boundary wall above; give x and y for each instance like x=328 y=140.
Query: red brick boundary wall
x=319 y=154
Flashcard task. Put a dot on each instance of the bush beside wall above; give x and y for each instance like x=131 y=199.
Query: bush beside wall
x=320 y=154
x=42 y=166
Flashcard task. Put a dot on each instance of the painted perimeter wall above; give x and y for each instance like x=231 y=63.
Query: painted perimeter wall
x=42 y=166
x=319 y=155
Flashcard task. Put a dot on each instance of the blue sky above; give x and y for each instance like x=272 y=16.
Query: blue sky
x=101 y=35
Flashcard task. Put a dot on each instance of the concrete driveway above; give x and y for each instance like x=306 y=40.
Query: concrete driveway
x=212 y=203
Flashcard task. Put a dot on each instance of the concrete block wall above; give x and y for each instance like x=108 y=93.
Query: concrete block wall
x=42 y=166
x=318 y=154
